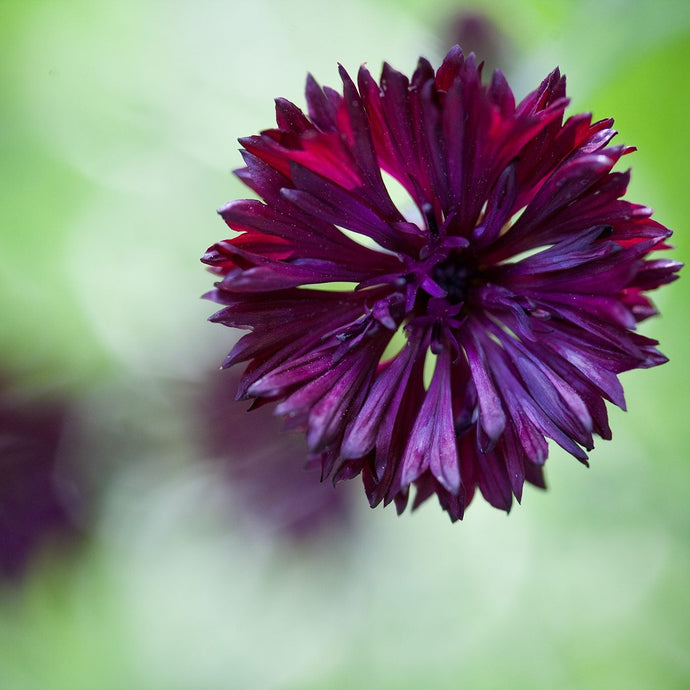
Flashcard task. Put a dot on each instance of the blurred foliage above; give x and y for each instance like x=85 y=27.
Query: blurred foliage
x=117 y=135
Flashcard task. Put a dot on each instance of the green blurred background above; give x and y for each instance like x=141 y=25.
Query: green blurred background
x=118 y=127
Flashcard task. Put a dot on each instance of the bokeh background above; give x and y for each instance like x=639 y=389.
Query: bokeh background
x=139 y=549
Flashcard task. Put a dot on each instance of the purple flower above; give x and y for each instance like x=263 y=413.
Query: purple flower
x=515 y=279
x=39 y=503
x=265 y=470
x=476 y=32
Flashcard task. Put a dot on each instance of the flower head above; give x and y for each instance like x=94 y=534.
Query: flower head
x=265 y=471
x=39 y=502
x=515 y=278
x=477 y=32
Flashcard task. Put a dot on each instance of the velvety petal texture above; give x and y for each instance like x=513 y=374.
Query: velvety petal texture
x=441 y=342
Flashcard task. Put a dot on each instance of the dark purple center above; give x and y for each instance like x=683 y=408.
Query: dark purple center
x=453 y=275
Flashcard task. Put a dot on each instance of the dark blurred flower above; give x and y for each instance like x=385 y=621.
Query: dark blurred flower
x=477 y=33
x=39 y=503
x=519 y=285
x=265 y=469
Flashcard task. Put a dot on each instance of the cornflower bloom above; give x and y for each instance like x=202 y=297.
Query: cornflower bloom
x=39 y=502
x=516 y=281
x=478 y=33
x=265 y=470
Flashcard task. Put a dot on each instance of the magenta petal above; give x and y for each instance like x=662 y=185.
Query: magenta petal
x=432 y=439
x=494 y=482
x=330 y=202
x=360 y=437
x=492 y=418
